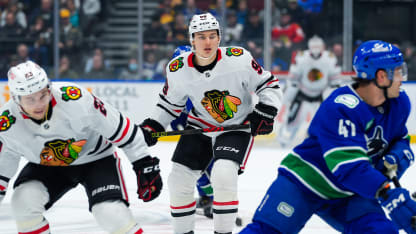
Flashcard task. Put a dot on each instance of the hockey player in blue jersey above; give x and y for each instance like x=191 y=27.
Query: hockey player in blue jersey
x=342 y=170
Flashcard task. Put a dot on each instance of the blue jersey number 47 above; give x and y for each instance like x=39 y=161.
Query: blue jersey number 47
x=346 y=128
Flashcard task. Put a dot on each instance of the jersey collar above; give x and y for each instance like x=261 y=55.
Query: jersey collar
x=190 y=57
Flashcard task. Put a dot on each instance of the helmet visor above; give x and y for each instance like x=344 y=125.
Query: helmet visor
x=398 y=73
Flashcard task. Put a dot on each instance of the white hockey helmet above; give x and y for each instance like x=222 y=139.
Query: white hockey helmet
x=26 y=78
x=316 y=46
x=203 y=22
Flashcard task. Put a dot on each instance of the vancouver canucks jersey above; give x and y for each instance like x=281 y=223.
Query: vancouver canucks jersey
x=79 y=129
x=346 y=138
x=313 y=76
x=221 y=96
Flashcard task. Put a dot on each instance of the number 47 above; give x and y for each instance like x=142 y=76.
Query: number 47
x=343 y=127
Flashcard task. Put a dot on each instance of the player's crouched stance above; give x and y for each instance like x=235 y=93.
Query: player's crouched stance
x=341 y=171
x=69 y=136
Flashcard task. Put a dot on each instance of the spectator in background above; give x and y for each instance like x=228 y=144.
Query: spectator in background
x=45 y=11
x=74 y=16
x=314 y=24
x=98 y=70
x=89 y=61
x=337 y=49
x=42 y=37
x=410 y=58
x=233 y=30
x=156 y=33
x=242 y=12
x=22 y=53
x=253 y=29
x=131 y=72
x=3 y=4
x=149 y=65
x=190 y=9
x=296 y=12
x=165 y=12
x=65 y=70
x=275 y=14
x=70 y=38
x=179 y=33
x=16 y=8
x=11 y=28
x=89 y=15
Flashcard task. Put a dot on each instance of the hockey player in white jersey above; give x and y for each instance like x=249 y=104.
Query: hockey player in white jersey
x=313 y=72
x=219 y=81
x=68 y=137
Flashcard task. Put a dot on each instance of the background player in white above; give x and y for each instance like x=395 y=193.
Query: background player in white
x=313 y=72
x=356 y=142
x=69 y=136
x=219 y=82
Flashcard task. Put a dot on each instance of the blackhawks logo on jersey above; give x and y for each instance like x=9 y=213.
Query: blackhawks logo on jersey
x=220 y=104
x=71 y=93
x=232 y=51
x=176 y=64
x=315 y=74
x=6 y=120
x=61 y=152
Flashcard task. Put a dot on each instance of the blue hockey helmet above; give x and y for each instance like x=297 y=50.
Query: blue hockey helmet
x=374 y=55
x=180 y=50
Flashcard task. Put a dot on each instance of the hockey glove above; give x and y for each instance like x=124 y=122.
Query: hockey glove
x=262 y=119
x=149 y=182
x=401 y=208
x=148 y=127
x=397 y=163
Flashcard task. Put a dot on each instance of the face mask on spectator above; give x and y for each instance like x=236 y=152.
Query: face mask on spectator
x=133 y=67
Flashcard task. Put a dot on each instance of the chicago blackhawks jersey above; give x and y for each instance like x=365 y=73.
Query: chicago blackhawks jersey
x=221 y=96
x=347 y=138
x=79 y=129
x=313 y=76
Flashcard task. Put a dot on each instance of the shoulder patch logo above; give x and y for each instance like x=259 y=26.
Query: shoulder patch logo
x=176 y=64
x=220 y=104
x=71 y=93
x=6 y=120
x=232 y=51
x=349 y=100
x=61 y=152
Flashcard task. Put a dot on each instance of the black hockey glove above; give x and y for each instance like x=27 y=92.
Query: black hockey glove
x=149 y=126
x=149 y=182
x=262 y=119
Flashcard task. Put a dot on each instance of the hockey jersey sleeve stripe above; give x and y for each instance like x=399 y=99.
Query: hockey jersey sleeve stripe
x=133 y=135
x=126 y=129
x=106 y=148
x=3 y=178
x=97 y=146
x=201 y=121
x=120 y=124
x=312 y=177
x=165 y=109
x=338 y=158
x=166 y=100
x=265 y=82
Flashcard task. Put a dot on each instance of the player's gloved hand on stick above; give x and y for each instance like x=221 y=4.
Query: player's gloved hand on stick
x=262 y=119
x=392 y=162
x=148 y=127
x=401 y=207
x=149 y=182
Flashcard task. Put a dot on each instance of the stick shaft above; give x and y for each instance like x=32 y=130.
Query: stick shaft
x=201 y=130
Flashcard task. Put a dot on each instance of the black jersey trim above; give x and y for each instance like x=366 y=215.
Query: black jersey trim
x=120 y=124
x=106 y=148
x=97 y=146
x=166 y=100
x=166 y=109
x=131 y=138
x=2 y=193
x=268 y=80
x=4 y=178
x=183 y=214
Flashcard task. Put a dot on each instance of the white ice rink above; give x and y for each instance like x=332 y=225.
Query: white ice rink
x=70 y=214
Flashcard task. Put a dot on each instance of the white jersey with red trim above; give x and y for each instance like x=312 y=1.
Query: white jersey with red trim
x=221 y=96
x=79 y=129
x=313 y=76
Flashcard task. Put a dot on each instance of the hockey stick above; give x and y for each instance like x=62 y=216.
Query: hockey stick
x=201 y=130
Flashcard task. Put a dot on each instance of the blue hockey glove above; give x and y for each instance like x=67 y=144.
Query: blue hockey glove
x=397 y=163
x=401 y=208
x=180 y=122
x=262 y=119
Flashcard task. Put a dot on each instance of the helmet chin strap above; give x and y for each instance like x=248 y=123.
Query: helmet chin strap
x=384 y=88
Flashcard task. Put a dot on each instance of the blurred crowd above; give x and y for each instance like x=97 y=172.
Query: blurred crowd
x=26 y=32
